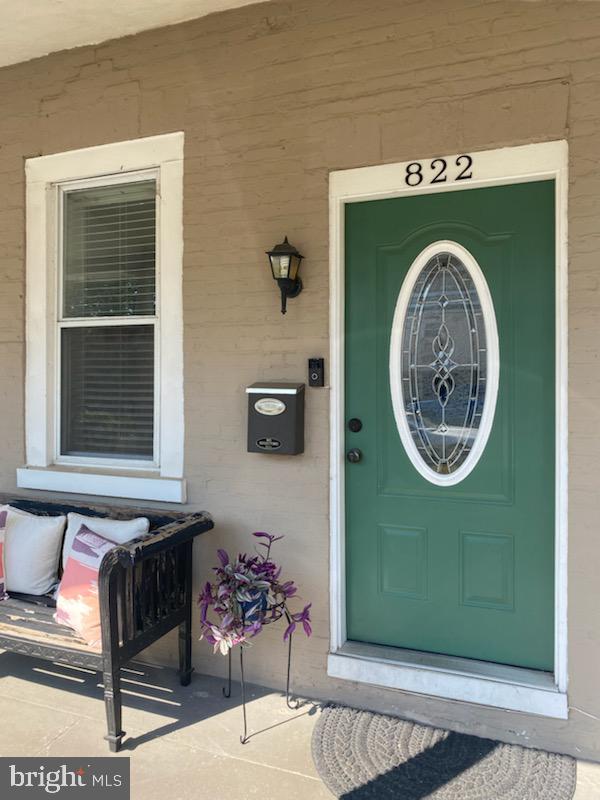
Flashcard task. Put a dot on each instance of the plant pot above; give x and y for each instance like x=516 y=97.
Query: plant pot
x=259 y=605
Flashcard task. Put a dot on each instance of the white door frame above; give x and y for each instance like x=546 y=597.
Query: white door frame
x=444 y=676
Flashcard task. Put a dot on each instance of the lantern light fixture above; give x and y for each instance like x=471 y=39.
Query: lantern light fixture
x=284 y=260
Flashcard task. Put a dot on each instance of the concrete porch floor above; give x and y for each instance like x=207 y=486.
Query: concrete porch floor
x=183 y=742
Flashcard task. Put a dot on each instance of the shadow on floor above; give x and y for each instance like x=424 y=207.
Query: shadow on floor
x=148 y=688
x=418 y=777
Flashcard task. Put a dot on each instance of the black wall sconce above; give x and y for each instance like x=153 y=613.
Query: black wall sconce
x=285 y=263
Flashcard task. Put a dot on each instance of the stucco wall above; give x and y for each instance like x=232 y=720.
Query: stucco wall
x=271 y=98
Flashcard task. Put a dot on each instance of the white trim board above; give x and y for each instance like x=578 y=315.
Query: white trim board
x=519 y=692
x=548 y=160
x=128 y=486
x=159 y=156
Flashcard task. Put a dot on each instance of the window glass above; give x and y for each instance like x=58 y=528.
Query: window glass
x=107 y=367
x=109 y=250
x=107 y=391
x=444 y=363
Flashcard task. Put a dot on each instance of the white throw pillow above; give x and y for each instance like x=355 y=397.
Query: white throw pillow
x=117 y=530
x=32 y=546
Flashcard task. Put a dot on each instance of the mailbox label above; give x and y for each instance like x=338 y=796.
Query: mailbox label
x=268 y=443
x=270 y=406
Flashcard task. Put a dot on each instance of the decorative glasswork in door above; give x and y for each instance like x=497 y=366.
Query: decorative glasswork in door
x=444 y=363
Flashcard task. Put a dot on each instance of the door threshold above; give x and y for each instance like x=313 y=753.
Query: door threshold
x=449 y=677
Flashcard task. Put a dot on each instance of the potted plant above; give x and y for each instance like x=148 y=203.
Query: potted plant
x=247 y=594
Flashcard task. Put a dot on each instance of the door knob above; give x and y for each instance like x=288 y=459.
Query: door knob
x=354 y=455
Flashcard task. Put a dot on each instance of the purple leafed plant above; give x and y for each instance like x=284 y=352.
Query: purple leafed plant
x=247 y=595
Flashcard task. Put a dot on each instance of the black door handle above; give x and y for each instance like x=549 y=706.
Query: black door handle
x=354 y=455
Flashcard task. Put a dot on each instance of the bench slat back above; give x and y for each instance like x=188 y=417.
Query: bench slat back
x=157 y=516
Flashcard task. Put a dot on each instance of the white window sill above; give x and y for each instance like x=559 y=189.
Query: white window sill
x=483 y=683
x=133 y=487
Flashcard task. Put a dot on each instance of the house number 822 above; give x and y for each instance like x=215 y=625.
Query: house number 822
x=414 y=171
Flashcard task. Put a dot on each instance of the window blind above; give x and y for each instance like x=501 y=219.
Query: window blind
x=107 y=370
x=107 y=391
x=109 y=250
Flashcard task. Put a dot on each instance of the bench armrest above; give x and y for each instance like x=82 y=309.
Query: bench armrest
x=154 y=542
x=145 y=586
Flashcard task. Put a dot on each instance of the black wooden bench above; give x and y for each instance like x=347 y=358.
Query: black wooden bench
x=145 y=590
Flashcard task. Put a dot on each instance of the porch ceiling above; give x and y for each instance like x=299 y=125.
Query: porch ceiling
x=37 y=27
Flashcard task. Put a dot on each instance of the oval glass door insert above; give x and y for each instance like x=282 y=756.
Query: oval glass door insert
x=444 y=363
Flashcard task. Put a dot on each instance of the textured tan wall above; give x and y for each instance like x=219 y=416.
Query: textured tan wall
x=271 y=98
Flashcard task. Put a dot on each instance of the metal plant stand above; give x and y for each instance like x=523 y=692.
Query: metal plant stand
x=291 y=704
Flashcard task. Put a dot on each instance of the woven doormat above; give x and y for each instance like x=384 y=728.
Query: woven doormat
x=363 y=755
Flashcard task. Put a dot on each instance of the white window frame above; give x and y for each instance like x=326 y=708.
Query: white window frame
x=448 y=677
x=48 y=177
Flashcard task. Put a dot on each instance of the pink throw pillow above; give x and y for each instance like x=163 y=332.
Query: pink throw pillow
x=77 y=603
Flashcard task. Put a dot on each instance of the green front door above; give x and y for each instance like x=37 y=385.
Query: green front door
x=450 y=497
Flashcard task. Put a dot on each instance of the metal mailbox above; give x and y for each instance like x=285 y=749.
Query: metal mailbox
x=276 y=418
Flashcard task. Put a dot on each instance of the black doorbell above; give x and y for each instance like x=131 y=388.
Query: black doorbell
x=316 y=372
